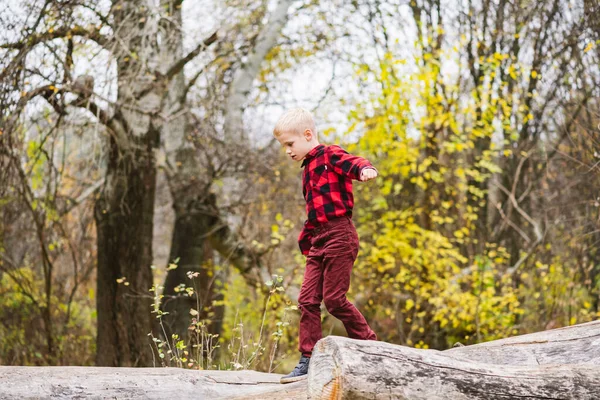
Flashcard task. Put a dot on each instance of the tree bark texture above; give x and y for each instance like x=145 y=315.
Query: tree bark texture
x=142 y=383
x=124 y=209
x=558 y=364
x=124 y=225
x=191 y=246
x=352 y=369
x=577 y=344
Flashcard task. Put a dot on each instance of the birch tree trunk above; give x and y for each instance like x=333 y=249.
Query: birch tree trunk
x=242 y=82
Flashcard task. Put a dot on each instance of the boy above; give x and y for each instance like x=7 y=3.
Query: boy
x=328 y=238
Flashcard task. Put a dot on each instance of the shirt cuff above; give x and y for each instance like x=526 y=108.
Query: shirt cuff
x=367 y=167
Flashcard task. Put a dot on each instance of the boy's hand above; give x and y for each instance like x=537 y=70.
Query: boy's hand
x=367 y=174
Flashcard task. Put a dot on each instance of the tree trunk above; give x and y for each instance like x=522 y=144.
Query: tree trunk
x=240 y=88
x=191 y=246
x=200 y=228
x=187 y=182
x=124 y=209
x=353 y=369
x=124 y=226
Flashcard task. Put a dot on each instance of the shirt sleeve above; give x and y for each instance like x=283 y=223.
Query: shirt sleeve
x=306 y=235
x=346 y=164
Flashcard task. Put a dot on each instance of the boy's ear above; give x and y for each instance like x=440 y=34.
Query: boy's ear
x=308 y=134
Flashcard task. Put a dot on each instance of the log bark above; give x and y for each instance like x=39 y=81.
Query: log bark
x=142 y=383
x=575 y=344
x=352 y=369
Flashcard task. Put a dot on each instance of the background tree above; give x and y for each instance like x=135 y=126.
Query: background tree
x=207 y=154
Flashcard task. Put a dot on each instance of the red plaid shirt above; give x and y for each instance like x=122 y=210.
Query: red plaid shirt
x=327 y=187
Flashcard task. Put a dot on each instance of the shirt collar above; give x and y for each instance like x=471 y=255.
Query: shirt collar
x=315 y=152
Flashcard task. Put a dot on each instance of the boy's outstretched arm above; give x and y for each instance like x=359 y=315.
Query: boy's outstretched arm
x=351 y=166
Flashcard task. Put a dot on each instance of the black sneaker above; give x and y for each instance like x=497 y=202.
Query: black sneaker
x=299 y=373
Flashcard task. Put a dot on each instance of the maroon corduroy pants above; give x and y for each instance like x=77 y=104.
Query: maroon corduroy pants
x=327 y=278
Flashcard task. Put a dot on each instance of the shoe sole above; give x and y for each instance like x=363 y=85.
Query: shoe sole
x=293 y=379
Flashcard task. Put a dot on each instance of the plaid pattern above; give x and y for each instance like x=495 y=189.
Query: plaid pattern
x=327 y=187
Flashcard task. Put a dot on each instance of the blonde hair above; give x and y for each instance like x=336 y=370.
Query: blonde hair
x=296 y=120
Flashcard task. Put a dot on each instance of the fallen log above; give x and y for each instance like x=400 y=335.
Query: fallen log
x=353 y=369
x=575 y=344
x=142 y=383
x=518 y=367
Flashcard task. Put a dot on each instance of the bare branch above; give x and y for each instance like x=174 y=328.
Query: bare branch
x=91 y=190
x=512 y=224
x=63 y=32
x=178 y=66
x=536 y=227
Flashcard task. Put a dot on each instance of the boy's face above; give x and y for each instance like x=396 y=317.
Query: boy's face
x=297 y=146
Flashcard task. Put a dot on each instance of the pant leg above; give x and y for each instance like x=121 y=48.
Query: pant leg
x=339 y=255
x=309 y=303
